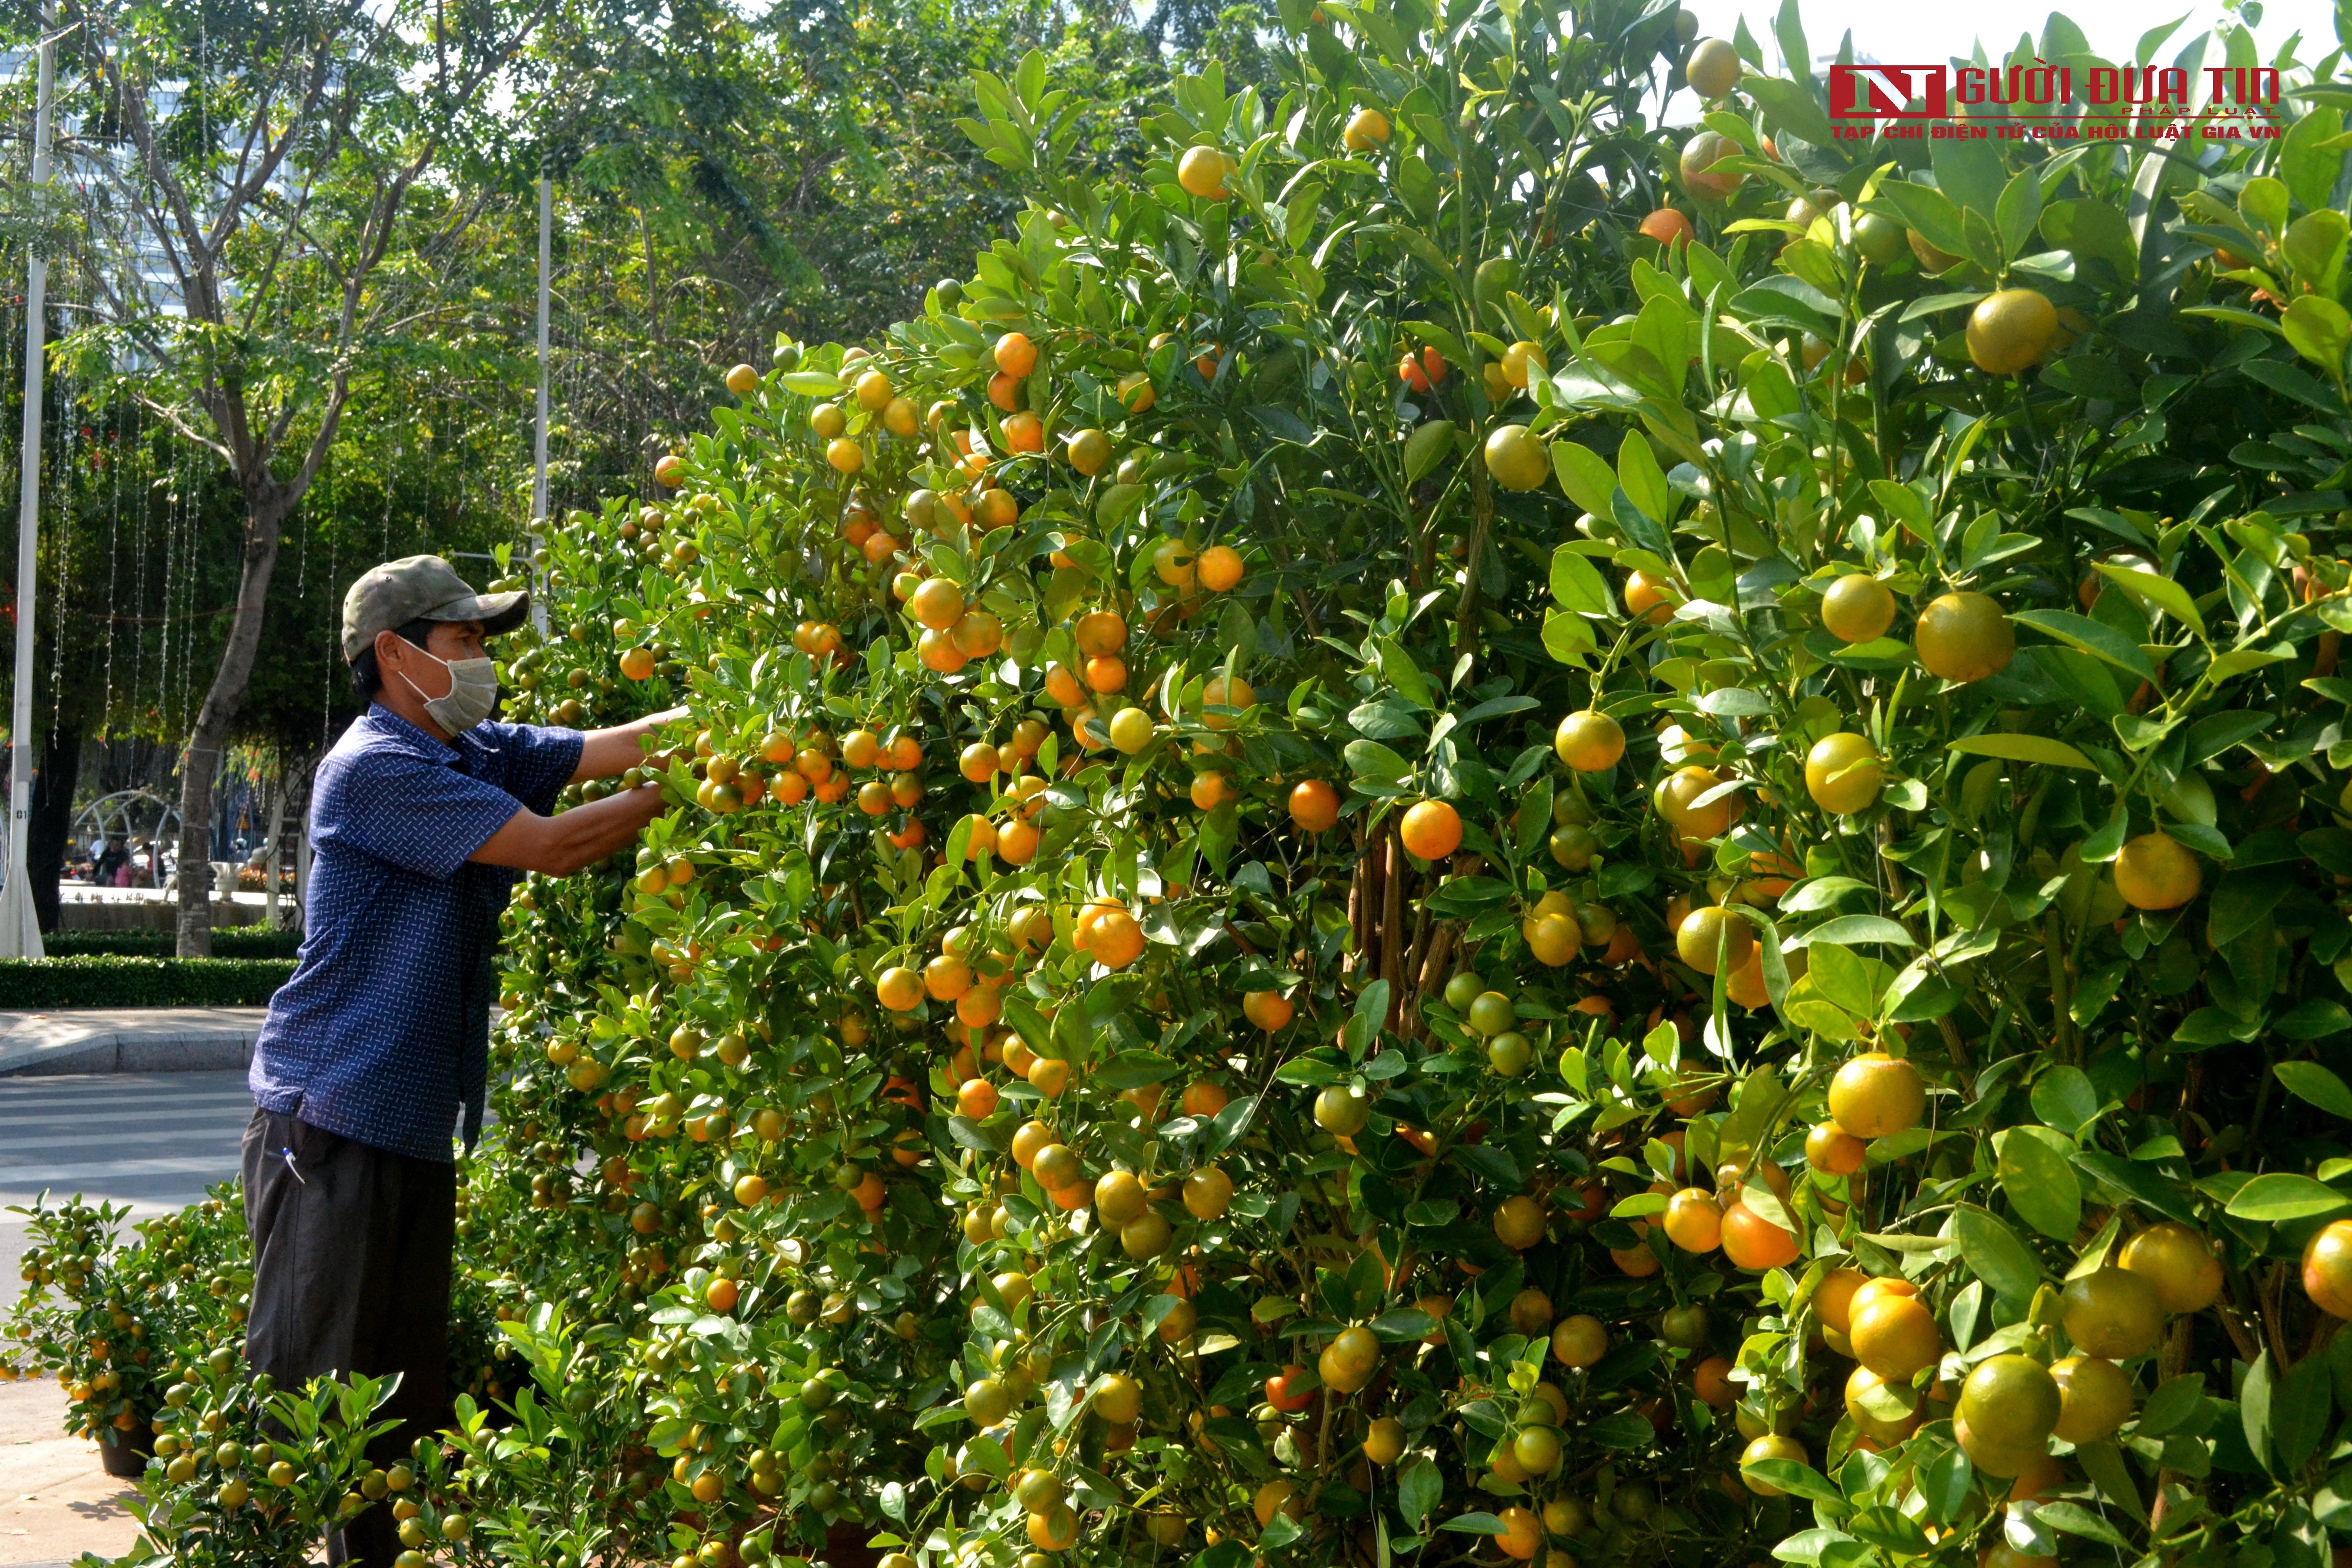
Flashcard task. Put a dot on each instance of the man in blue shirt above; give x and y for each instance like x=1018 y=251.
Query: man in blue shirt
x=373 y=1057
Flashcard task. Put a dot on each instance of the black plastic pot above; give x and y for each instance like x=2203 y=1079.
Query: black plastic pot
x=125 y=1454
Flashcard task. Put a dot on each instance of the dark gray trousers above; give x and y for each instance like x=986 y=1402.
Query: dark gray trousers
x=350 y=1274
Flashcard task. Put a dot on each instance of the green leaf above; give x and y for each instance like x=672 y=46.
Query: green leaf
x=1133 y=1070
x=1781 y=297
x=1219 y=831
x=2019 y=208
x=1282 y=423
x=2039 y=1180
x=1418 y=1490
x=971 y=1134
x=1811 y=1546
x=2104 y=1463
x=1792 y=1476
x=1847 y=929
x=1578 y=586
x=1887 y=1401
x=1568 y=638
x=1404 y=1324
x=2176 y=1399
x=2310 y=1081
x=2063 y=1099
x=2285 y=1415
x=1819 y=893
x=2094 y=990
x=2240 y=902
x=1118 y=504
x=1398 y=667
x=2262 y=203
x=2075 y=1520
x=1734 y=702
x=1944 y=1483
x=2313 y=1018
x=1371 y=760
x=2000 y=1260
x=1372 y=1010
x=2319 y=329
x=2217 y=732
x=1643 y=482
x=1772 y=395
x=1279 y=1532
x=2330 y=846
x=2023 y=749
x=2285 y=377
x=2300 y=1403
x=1843 y=978
x=2093 y=230
x=2282 y=1195
x=2308 y=163
x=2094 y=637
x=1625 y=1430
x=1791 y=106
x=2238 y=660
x=2102 y=845
x=1929 y=210
x=1475 y=1524
x=2313 y=246
x=2235 y=318
x=1585 y=475
x=1426 y=446
x=2211 y=1027
x=813 y=383
x=2091 y=376
x=1969 y=171
x=2162 y=592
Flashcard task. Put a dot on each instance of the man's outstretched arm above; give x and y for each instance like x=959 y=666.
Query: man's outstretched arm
x=559 y=846
x=604 y=753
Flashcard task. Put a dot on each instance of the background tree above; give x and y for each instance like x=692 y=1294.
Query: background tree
x=270 y=189
x=726 y=176
x=722 y=177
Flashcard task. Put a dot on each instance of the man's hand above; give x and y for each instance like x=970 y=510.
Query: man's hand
x=559 y=846
x=604 y=753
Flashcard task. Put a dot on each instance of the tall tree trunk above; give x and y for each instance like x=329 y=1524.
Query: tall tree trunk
x=48 y=834
x=267 y=504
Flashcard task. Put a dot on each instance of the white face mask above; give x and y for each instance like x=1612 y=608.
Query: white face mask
x=473 y=693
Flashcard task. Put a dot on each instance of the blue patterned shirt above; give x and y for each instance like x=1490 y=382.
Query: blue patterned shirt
x=382 y=1033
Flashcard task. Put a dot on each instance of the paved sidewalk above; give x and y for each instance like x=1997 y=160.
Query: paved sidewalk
x=56 y=1500
x=127 y=1039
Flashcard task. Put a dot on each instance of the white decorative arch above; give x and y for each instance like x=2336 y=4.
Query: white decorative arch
x=127 y=814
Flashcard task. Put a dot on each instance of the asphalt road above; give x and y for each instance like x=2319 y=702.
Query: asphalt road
x=153 y=1141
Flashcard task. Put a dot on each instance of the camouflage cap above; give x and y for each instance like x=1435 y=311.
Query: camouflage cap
x=422 y=588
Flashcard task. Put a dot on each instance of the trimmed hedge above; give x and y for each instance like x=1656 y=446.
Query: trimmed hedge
x=228 y=941
x=119 y=981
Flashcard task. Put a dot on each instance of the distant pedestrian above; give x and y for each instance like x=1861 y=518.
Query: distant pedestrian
x=373 y=1059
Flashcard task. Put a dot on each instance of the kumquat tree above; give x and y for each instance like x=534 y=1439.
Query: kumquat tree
x=1466 y=830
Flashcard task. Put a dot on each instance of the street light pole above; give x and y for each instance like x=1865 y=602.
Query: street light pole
x=538 y=478
x=20 y=927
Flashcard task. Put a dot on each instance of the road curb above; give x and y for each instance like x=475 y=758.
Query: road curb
x=194 y=1053
x=99 y=1041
